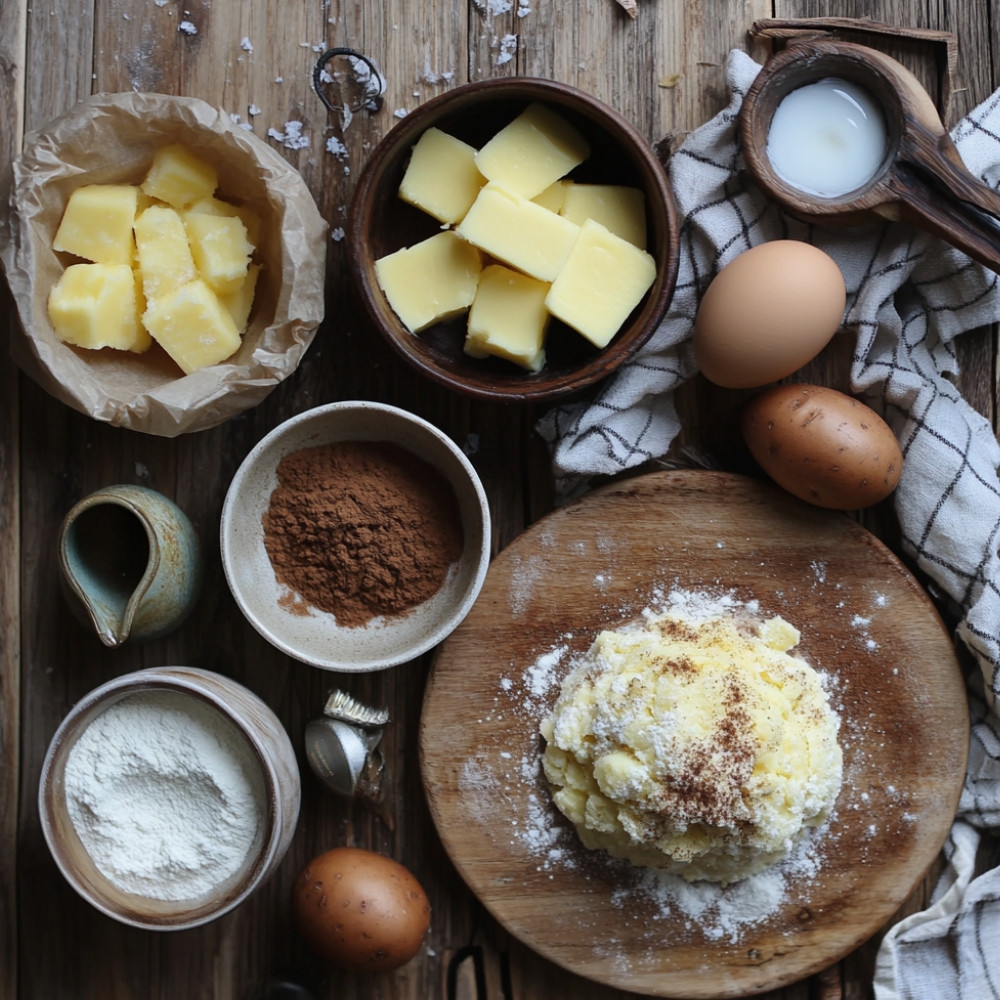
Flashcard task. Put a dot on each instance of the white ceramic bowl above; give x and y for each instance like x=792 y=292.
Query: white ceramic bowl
x=269 y=749
x=316 y=637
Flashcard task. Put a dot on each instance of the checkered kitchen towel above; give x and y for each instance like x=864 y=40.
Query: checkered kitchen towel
x=909 y=297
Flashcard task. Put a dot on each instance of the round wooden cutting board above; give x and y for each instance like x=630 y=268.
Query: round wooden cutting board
x=866 y=625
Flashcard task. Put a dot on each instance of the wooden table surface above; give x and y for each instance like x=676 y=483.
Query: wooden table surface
x=664 y=71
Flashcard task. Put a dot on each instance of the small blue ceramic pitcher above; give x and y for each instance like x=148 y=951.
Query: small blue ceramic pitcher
x=132 y=560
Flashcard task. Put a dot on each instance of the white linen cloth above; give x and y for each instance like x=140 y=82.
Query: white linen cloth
x=909 y=297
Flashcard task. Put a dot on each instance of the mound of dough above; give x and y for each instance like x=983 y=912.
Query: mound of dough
x=699 y=747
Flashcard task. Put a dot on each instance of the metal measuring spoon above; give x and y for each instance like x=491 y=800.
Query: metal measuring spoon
x=921 y=180
x=342 y=748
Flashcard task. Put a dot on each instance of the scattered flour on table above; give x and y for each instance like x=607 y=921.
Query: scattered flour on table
x=336 y=147
x=526 y=573
x=292 y=137
x=507 y=49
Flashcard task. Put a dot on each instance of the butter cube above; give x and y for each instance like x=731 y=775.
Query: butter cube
x=239 y=303
x=604 y=279
x=97 y=223
x=441 y=177
x=553 y=196
x=508 y=318
x=431 y=281
x=620 y=776
x=216 y=206
x=163 y=254
x=779 y=634
x=178 y=177
x=220 y=249
x=144 y=201
x=192 y=326
x=618 y=208
x=535 y=149
x=519 y=232
x=96 y=305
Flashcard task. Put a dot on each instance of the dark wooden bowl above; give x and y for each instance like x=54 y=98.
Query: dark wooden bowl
x=380 y=223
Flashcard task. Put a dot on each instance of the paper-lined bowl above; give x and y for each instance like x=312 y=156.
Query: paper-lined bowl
x=111 y=138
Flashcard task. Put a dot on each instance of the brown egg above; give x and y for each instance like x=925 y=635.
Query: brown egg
x=823 y=446
x=360 y=911
x=768 y=312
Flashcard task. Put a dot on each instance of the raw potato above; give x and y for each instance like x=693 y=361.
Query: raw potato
x=360 y=911
x=823 y=446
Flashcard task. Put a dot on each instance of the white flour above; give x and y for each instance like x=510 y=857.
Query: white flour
x=164 y=795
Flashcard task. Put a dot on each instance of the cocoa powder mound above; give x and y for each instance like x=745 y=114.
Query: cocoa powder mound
x=361 y=529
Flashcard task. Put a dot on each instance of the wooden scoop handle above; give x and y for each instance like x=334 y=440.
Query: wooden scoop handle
x=936 y=192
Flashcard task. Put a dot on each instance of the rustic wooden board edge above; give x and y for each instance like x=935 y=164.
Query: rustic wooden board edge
x=750 y=981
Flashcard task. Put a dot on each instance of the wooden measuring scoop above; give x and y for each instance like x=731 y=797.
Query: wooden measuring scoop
x=921 y=180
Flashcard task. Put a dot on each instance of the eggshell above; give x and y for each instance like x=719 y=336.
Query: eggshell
x=360 y=911
x=822 y=445
x=768 y=312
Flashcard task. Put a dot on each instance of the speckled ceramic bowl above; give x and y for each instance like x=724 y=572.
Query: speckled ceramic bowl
x=307 y=633
x=273 y=769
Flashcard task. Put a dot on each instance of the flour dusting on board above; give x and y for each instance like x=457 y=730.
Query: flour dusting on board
x=509 y=783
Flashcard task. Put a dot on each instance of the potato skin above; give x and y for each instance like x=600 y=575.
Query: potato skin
x=823 y=446
x=360 y=911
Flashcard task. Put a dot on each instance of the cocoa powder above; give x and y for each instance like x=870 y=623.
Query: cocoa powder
x=361 y=529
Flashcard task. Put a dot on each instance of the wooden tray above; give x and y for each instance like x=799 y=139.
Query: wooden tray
x=598 y=562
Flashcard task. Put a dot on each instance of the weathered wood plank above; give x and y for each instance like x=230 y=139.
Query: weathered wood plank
x=13 y=38
x=664 y=71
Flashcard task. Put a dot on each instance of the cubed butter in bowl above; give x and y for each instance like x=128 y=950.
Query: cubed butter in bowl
x=97 y=224
x=561 y=239
x=168 y=267
x=434 y=279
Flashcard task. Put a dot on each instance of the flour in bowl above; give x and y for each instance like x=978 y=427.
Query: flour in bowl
x=165 y=795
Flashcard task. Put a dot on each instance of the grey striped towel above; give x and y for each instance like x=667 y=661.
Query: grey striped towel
x=909 y=297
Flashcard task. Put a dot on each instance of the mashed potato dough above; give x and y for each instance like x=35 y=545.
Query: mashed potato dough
x=697 y=746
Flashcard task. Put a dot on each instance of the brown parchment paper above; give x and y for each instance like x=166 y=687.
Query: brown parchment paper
x=111 y=138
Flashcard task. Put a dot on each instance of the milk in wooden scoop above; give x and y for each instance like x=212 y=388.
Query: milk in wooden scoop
x=827 y=138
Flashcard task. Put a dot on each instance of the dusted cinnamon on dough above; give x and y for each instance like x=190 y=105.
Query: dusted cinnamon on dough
x=700 y=747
